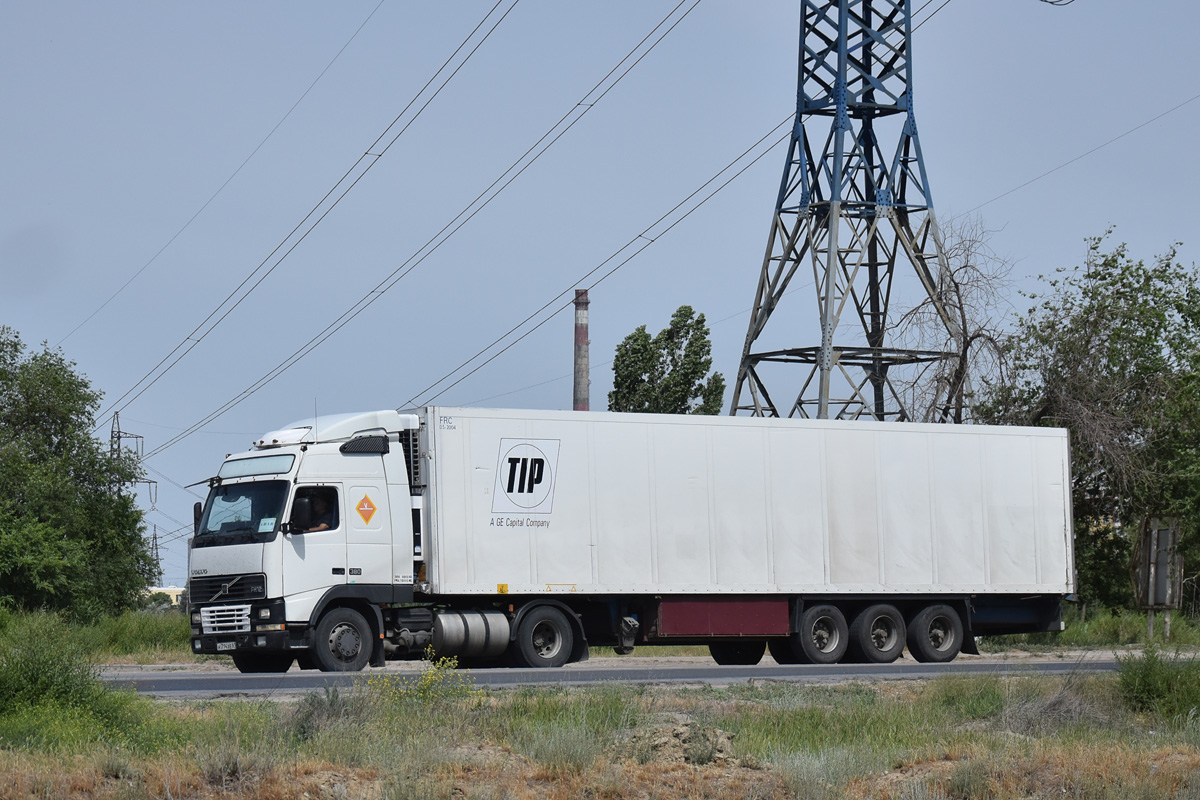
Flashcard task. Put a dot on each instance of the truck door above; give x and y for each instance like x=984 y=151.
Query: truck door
x=315 y=559
x=368 y=537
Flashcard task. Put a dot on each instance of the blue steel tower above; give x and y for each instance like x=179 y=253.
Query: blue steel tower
x=854 y=213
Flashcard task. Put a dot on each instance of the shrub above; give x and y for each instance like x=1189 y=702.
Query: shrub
x=440 y=679
x=824 y=774
x=1164 y=685
x=561 y=747
x=970 y=780
x=40 y=662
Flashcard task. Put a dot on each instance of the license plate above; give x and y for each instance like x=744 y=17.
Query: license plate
x=226 y=646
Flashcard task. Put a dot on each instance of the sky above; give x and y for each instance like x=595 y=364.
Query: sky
x=156 y=155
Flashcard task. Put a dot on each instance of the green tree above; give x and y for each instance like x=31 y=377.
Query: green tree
x=1111 y=352
x=667 y=374
x=70 y=531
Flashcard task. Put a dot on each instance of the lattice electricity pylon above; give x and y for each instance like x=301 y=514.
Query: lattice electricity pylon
x=858 y=217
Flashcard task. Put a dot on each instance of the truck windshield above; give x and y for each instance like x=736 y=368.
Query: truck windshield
x=241 y=513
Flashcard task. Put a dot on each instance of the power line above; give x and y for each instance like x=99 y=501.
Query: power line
x=389 y=282
x=931 y=14
x=647 y=240
x=171 y=481
x=369 y=159
x=594 y=365
x=1171 y=110
x=481 y=201
x=221 y=188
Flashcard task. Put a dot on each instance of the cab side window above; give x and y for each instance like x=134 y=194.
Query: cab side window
x=324 y=503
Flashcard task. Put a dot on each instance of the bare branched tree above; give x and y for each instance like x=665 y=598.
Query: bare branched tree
x=968 y=317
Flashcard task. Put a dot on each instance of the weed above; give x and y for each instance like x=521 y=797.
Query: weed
x=439 y=680
x=39 y=662
x=1165 y=685
x=242 y=740
x=824 y=774
x=561 y=747
x=702 y=745
x=969 y=696
x=317 y=711
x=1075 y=702
x=114 y=763
x=970 y=781
x=917 y=789
x=419 y=789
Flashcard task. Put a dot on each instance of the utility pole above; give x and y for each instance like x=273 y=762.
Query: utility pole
x=583 y=380
x=157 y=560
x=854 y=211
x=116 y=441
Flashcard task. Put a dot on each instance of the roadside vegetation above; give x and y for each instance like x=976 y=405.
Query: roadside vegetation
x=434 y=734
x=132 y=637
x=1100 y=629
x=161 y=637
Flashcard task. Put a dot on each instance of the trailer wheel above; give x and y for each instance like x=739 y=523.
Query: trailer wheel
x=729 y=654
x=262 y=662
x=935 y=634
x=342 y=641
x=877 y=634
x=784 y=651
x=823 y=634
x=544 y=638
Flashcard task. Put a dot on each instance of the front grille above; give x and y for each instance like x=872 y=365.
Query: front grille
x=225 y=619
x=227 y=588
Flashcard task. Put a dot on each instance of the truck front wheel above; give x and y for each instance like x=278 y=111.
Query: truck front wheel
x=544 y=638
x=342 y=641
x=935 y=634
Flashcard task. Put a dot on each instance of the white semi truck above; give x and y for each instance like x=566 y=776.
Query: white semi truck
x=526 y=537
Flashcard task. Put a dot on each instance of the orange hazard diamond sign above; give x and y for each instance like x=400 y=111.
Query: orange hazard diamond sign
x=366 y=509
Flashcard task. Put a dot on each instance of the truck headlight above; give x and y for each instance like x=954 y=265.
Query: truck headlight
x=195 y=617
x=264 y=613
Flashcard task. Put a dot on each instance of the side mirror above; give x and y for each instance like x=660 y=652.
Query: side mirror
x=197 y=512
x=301 y=515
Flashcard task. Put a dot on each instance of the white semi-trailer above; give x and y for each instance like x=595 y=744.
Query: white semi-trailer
x=530 y=536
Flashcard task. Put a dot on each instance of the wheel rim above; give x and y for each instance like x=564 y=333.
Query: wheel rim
x=545 y=639
x=345 y=642
x=883 y=633
x=825 y=635
x=941 y=634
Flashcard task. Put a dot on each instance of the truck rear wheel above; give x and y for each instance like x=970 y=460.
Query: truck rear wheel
x=784 y=651
x=544 y=638
x=823 y=634
x=729 y=654
x=342 y=641
x=263 y=662
x=935 y=634
x=877 y=634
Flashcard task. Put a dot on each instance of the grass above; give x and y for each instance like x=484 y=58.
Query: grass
x=138 y=637
x=1102 y=628
x=436 y=735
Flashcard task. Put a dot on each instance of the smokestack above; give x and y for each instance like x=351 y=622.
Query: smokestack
x=582 y=381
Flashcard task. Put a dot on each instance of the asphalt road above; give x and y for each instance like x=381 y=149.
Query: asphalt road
x=213 y=681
